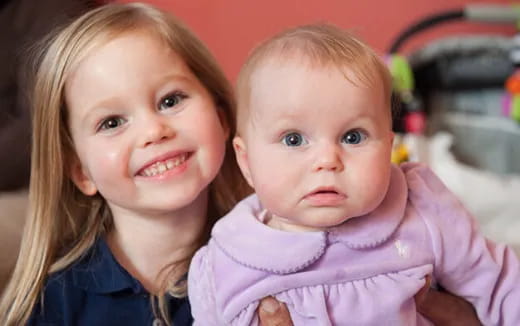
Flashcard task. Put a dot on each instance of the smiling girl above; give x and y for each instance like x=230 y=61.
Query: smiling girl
x=130 y=168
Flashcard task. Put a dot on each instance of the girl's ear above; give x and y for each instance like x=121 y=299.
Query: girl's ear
x=242 y=159
x=81 y=179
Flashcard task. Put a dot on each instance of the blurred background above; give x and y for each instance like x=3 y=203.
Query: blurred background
x=453 y=63
x=232 y=27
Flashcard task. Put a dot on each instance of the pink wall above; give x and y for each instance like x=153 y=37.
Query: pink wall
x=232 y=27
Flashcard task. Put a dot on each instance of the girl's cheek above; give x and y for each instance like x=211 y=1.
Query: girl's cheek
x=113 y=155
x=108 y=160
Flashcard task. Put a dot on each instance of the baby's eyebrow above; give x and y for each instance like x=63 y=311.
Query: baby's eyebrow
x=275 y=121
x=283 y=115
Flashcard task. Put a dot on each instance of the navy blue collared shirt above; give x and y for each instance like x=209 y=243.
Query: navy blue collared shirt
x=98 y=291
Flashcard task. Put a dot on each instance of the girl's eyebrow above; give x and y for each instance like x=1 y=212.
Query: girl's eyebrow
x=99 y=109
x=181 y=77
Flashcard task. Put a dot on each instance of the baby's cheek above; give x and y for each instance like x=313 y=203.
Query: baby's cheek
x=277 y=187
x=374 y=189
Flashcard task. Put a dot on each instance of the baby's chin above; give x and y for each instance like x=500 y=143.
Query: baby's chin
x=317 y=222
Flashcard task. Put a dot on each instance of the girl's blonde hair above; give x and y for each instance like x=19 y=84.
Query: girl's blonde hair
x=318 y=44
x=62 y=223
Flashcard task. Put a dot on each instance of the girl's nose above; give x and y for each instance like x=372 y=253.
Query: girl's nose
x=328 y=158
x=156 y=129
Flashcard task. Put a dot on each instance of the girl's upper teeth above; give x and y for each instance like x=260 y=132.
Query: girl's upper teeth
x=163 y=166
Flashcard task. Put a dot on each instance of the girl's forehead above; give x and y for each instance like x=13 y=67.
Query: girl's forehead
x=91 y=45
x=118 y=47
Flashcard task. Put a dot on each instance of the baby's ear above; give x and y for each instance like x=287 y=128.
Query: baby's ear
x=81 y=179
x=242 y=159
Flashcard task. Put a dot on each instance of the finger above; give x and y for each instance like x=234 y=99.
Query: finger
x=423 y=292
x=273 y=313
x=443 y=308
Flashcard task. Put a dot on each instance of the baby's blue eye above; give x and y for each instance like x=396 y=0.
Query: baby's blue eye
x=294 y=139
x=111 y=123
x=354 y=137
x=171 y=100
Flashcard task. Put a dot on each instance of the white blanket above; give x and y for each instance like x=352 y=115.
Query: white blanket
x=494 y=199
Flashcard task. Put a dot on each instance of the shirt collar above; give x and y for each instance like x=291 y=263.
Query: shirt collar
x=98 y=271
x=249 y=242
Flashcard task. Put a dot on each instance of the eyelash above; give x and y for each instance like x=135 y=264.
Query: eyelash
x=362 y=133
x=177 y=95
x=285 y=139
x=103 y=124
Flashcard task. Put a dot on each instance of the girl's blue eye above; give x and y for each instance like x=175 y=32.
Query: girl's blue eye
x=171 y=100
x=111 y=123
x=294 y=139
x=354 y=137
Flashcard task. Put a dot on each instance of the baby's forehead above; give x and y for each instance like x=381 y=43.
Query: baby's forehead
x=313 y=48
x=278 y=64
x=281 y=77
x=297 y=57
x=291 y=89
x=298 y=90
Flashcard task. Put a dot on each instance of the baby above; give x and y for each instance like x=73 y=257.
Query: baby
x=335 y=231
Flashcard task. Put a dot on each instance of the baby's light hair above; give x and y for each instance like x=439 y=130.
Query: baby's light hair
x=315 y=44
x=62 y=223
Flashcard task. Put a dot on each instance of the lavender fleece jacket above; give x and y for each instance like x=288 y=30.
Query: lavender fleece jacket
x=363 y=272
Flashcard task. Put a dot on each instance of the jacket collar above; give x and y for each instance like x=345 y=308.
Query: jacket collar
x=249 y=242
x=98 y=271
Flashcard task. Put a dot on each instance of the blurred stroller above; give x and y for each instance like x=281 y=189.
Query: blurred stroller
x=460 y=113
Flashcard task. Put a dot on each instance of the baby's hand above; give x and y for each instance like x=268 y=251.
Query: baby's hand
x=273 y=313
